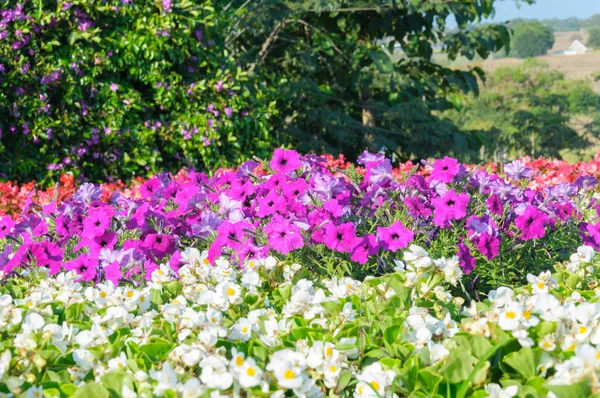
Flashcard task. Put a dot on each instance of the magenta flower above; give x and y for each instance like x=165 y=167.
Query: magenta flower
x=114 y=87
x=284 y=236
x=96 y=223
x=365 y=248
x=341 y=237
x=285 y=161
x=451 y=206
x=445 y=170
x=532 y=223
x=465 y=259
x=394 y=237
x=271 y=204
x=84 y=265
x=495 y=205
x=488 y=245
x=159 y=245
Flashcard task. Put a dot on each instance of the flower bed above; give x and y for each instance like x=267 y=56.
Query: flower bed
x=295 y=277
x=272 y=328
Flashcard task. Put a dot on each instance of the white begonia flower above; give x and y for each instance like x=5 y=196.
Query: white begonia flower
x=437 y=351
x=118 y=363
x=288 y=367
x=417 y=256
x=495 y=391
x=127 y=392
x=250 y=374
x=5 y=359
x=166 y=379
x=501 y=296
x=35 y=392
x=585 y=254
x=33 y=322
x=510 y=318
x=373 y=381
x=215 y=373
x=231 y=292
x=192 y=388
x=548 y=342
x=84 y=359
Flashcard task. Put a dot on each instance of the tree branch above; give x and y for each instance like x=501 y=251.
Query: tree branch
x=265 y=47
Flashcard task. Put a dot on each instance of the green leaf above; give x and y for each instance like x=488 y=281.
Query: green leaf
x=392 y=333
x=114 y=382
x=525 y=361
x=382 y=61
x=343 y=381
x=92 y=390
x=157 y=351
x=580 y=389
x=459 y=366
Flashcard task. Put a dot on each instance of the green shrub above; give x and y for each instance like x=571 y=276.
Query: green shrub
x=117 y=88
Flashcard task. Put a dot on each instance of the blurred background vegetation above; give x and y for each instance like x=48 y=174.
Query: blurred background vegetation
x=111 y=89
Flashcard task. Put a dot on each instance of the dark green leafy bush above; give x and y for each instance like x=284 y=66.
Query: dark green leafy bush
x=117 y=88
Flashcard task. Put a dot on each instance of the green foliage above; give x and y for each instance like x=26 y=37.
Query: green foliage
x=529 y=110
x=105 y=88
x=594 y=37
x=349 y=75
x=532 y=39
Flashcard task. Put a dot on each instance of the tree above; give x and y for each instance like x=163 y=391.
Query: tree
x=594 y=37
x=340 y=87
x=529 y=110
x=532 y=39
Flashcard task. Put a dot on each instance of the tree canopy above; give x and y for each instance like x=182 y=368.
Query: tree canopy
x=532 y=39
x=354 y=74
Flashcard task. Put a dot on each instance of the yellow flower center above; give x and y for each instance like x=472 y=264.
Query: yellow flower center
x=598 y=356
x=103 y=294
x=329 y=351
x=239 y=361
x=375 y=385
x=230 y=292
x=251 y=372
x=541 y=285
x=130 y=294
x=332 y=369
x=511 y=315
x=214 y=320
x=527 y=314
x=571 y=347
x=159 y=272
x=244 y=329
x=142 y=299
x=582 y=329
x=205 y=261
x=289 y=374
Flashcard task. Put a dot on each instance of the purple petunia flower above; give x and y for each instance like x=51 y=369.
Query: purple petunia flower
x=394 y=237
x=285 y=161
x=532 y=223
x=517 y=170
x=88 y=193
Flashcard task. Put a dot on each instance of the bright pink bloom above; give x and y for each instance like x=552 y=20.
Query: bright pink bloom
x=532 y=223
x=341 y=237
x=285 y=161
x=451 y=206
x=394 y=237
x=446 y=169
x=367 y=247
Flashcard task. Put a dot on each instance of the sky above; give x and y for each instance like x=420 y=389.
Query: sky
x=543 y=9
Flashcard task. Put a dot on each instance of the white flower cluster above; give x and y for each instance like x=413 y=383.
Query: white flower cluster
x=215 y=330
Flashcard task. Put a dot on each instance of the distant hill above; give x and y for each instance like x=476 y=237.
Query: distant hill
x=571 y=24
